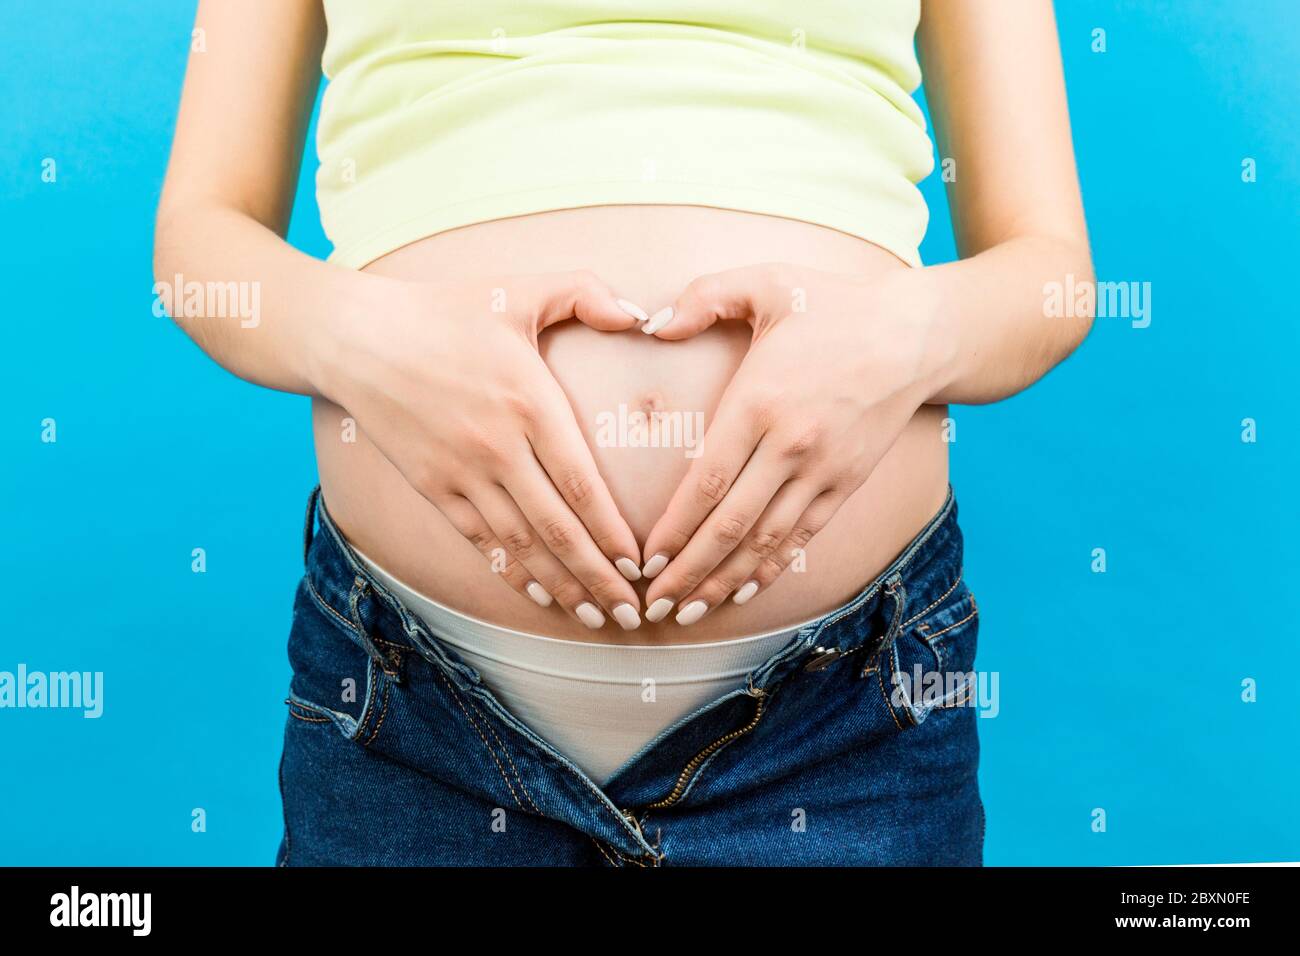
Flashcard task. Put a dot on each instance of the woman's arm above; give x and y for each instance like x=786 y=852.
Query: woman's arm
x=996 y=92
x=247 y=99
x=827 y=388
x=445 y=379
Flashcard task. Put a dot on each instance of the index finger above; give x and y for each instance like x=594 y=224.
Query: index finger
x=560 y=448
x=728 y=444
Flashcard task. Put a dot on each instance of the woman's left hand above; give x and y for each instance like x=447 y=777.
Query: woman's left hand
x=837 y=367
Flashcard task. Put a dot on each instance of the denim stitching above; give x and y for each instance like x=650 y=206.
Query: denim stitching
x=974 y=611
x=942 y=598
x=491 y=752
x=627 y=859
x=607 y=857
x=339 y=618
x=370 y=698
x=506 y=752
x=960 y=697
x=332 y=715
x=587 y=783
x=346 y=723
x=888 y=706
x=382 y=714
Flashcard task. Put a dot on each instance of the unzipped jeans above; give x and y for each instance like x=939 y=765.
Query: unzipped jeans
x=855 y=744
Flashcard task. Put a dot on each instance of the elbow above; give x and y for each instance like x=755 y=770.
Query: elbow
x=164 y=247
x=170 y=255
x=163 y=279
x=1082 y=275
x=169 y=266
x=1088 y=274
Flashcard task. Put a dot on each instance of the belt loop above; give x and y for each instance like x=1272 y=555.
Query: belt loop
x=359 y=590
x=310 y=525
x=895 y=589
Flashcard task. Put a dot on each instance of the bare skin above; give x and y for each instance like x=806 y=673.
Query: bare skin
x=824 y=452
x=600 y=371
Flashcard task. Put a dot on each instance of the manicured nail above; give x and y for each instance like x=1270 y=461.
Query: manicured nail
x=747 y=591
x=658 y=320
x=659 y=610
x=627 y=567
x=590 y=615
x=691 y=613
x=655 y=565
x=538 y=593
x=633 y=310
x=627 y=617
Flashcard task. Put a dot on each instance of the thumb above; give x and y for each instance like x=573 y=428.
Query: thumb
x=736 y=294
x=583 y=296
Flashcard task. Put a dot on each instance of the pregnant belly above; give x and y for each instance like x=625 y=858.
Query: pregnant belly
x=647 y=254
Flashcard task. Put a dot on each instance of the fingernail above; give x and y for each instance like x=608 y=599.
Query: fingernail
x=538 y=593
x=655 y=565
x=627 y=567
x=659 y=610
x=590 y=615
x=658 y=320
x=627 y=617
x=632 y=309
x=746 y=592
x=691 y=613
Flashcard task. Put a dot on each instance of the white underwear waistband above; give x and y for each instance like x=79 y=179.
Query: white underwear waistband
x=598 y=704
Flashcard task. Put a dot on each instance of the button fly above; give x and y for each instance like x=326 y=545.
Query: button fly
x=822 y=658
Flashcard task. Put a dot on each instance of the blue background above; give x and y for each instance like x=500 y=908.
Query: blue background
x=1119 y=691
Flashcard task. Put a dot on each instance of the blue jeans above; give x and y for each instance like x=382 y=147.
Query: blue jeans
x=395 y=753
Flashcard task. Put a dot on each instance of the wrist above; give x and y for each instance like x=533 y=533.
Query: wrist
x=344 y=335
x=918 y=301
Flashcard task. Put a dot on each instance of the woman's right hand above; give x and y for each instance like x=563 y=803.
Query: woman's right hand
x=448 y=383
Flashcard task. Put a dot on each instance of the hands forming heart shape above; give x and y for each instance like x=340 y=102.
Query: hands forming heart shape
x=469 y=413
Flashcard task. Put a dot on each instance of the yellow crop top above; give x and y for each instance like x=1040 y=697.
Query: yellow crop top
x=440 y=114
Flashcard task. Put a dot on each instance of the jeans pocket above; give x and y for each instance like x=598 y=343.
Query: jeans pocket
x=335 y=679
x=931 y=666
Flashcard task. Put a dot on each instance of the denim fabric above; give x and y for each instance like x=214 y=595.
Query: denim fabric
x=396 y=753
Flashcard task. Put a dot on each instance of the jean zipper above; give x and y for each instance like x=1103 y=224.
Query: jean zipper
x=698 y=760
